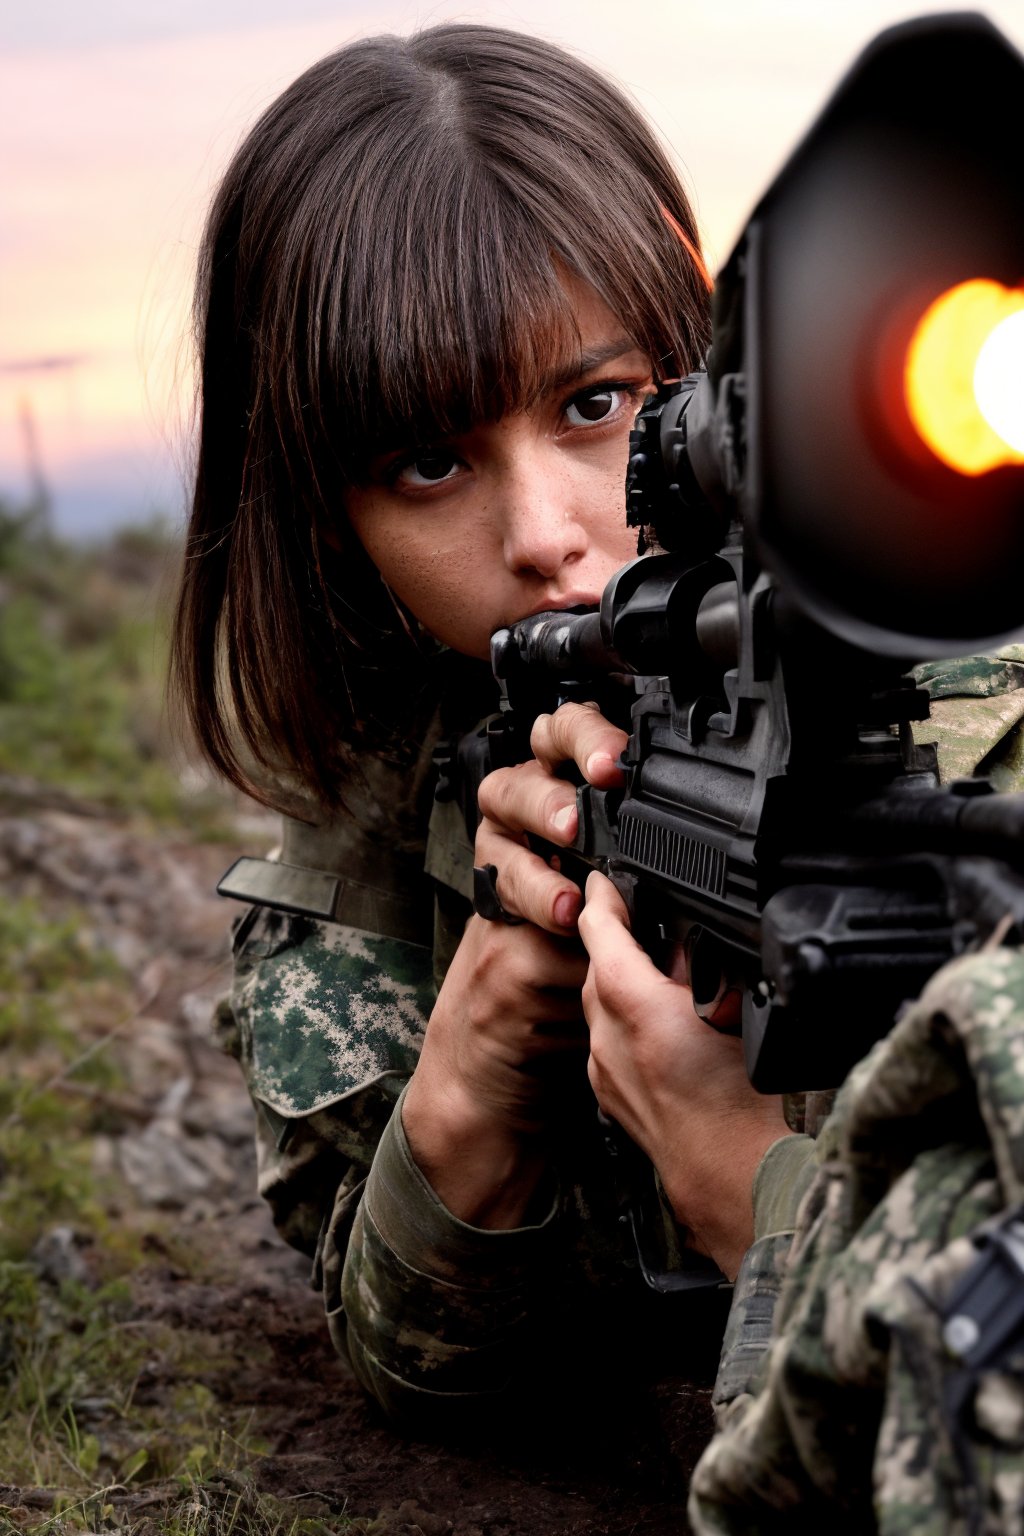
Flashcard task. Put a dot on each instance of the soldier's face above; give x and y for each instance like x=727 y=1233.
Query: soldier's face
x=517 y=515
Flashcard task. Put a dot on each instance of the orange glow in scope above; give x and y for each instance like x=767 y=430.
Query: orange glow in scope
x=964 y=376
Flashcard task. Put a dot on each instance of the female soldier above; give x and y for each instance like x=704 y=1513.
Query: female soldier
x=437 y=279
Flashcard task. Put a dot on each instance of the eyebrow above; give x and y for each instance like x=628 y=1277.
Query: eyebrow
x=552 y=382
x=560 y=378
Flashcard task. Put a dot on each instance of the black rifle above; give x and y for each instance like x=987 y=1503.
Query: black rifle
x=778 y=819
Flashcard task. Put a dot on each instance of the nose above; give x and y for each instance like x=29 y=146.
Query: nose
x=543 y=527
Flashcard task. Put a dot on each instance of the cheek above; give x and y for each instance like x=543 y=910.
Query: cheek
x=420 y=574
x=405 y=558
x=436 y=568
x=608 y=528
x=443 y=589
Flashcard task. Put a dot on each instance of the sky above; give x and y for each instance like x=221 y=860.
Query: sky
x=119 y=119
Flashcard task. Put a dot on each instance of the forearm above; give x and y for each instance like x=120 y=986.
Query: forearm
x=710 y=1182
x=485 y=1171
x=434 y=1314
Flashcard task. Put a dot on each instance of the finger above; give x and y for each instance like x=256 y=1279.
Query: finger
x=605 y=901
x=579 y=733
x=528 y=887
x=604 y=928
x=527 y=798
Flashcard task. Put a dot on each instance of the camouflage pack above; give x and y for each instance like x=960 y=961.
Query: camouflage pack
x=892 y=1397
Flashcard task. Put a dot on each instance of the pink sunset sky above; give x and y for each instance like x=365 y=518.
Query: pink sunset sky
x=119 y=119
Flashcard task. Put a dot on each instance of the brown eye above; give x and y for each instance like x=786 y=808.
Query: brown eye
x=428 y=468
x=592 y=405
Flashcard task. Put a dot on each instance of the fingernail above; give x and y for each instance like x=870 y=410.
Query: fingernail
x=567 y=908
x=562 y=820
x=599 y=763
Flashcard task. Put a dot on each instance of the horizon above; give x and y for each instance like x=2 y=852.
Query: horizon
x=124 y=126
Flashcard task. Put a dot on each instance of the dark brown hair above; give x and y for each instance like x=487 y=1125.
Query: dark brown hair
x=381 y=266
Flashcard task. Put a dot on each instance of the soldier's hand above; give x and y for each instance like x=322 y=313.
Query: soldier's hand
x=506 y=1030
x=678 y=1088
x=508 y=1025
x=530 y=798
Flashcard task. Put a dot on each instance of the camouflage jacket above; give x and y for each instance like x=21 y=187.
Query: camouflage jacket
x=888 y=1401
x=840 y=1405
x=437 y=1318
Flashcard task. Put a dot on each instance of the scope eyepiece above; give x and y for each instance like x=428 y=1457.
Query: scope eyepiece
x=673 y=470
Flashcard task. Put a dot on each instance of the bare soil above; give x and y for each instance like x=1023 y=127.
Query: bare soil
x=185 y=1149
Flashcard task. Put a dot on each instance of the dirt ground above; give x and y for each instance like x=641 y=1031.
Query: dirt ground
x=186 y=1150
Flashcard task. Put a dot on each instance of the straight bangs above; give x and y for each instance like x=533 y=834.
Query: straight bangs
x=459 y=317
x=416 y=330
x=435 y=296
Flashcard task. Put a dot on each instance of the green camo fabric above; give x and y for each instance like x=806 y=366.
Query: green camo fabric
x=850 y=1421
x=804 y=1405
x=977 y=703
x=322 y=1008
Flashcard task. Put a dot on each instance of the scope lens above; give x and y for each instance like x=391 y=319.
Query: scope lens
x=999 y=380
x=964 y=376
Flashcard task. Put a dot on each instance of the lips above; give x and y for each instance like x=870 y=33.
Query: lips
x=582 y=602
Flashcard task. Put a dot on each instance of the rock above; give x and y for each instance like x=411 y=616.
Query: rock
x=57 y=1256
x=169 y=1170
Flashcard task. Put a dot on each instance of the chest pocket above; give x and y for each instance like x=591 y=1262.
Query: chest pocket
x=324 y=1008
x=333 y=967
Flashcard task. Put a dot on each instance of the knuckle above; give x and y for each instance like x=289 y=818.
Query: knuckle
x=488 y=794
x=540 y=734
x=614 y=988
x=495 y=792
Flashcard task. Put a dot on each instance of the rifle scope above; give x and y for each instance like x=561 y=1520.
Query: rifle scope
x=862 y=413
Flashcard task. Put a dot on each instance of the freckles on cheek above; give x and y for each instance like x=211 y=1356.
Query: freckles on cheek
x=437 y=585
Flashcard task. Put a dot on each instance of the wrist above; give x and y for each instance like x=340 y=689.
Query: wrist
x=484 y=1170
x=710 y=1188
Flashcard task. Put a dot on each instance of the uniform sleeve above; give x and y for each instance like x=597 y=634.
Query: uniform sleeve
x=782 y=1178
x=976 y=717
x=435 y=1316
x=871 y=1414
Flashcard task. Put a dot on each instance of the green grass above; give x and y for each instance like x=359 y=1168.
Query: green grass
x=60 y=1001
x=85 y=1444
x=100 y=1454
x=83 y=659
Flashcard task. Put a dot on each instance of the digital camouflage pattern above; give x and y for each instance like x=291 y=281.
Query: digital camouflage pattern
x=748 y=1330
x=436 y=1318
x=977 y=704
x=346 y=1006
x=860 y=1416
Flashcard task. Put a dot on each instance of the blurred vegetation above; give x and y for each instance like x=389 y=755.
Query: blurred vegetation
x=83 y=661
x=111 y=1420
x=84 y=1432
x=59 y=997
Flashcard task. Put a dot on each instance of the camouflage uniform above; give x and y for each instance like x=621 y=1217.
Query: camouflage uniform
x=848 y=1404
x=327 y=1017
